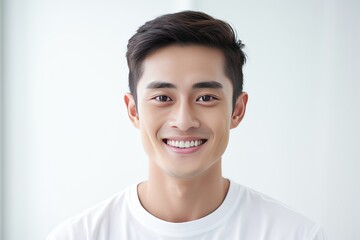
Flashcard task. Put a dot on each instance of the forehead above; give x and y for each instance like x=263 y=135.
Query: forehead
x=184 y=65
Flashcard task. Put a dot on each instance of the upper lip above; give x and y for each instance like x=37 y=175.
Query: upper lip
x=184 y=138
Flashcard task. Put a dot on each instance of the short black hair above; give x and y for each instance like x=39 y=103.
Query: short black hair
x=185 y=28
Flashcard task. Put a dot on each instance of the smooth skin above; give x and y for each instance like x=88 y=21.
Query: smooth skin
x=184 y=96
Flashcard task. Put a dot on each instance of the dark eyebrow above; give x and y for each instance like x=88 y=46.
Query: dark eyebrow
x=154 y=85
x=210 y=84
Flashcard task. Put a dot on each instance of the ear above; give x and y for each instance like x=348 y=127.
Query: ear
x=131 y=109
x=239 y=110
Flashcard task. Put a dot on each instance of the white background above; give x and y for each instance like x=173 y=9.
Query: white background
x=68 y=143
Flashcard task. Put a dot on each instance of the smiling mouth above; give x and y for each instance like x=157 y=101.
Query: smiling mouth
x=184 y=144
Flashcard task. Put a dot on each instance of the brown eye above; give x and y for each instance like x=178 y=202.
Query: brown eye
x=205 y=98
x=163 y=98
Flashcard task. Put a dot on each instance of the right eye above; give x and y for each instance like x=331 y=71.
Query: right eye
x=162 y=98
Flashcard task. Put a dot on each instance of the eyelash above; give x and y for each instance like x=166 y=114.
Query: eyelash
x=211 y=98
x=158 y=98
x=164 y=98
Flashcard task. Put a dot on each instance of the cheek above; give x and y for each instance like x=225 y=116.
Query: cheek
x=219 y=119
x=221 y=130
x=219 y=122
x=149 y=127
x=151 y=120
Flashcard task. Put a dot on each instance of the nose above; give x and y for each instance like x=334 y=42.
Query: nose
x=183 y=117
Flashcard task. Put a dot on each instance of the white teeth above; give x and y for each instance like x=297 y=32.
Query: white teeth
x=184 y=144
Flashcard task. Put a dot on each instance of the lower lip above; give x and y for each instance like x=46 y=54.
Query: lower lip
x=184 y=150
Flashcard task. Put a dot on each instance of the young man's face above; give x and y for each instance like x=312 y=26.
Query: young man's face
x=184 y=110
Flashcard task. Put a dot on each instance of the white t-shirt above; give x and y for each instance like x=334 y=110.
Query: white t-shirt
x=245 y=214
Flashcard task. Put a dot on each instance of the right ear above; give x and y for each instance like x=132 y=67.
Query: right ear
x=131 y=109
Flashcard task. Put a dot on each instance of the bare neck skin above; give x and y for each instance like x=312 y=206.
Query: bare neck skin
x=181 y=200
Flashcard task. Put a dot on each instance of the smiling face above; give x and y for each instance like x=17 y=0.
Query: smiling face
x=184 y=110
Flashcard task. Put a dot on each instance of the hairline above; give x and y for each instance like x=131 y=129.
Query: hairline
x=183 y=44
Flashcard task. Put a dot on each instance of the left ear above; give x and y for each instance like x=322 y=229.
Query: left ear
x=239 y=110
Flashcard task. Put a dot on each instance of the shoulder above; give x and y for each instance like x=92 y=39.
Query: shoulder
x=266 y=214
x=260 y=203
x=92 y=221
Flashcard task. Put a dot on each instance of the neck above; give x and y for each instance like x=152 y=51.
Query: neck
x=182 y=200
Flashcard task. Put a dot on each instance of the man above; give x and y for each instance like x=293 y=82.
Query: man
x=185 y=78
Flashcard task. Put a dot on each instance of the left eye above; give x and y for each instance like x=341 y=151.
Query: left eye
x=205 y=98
